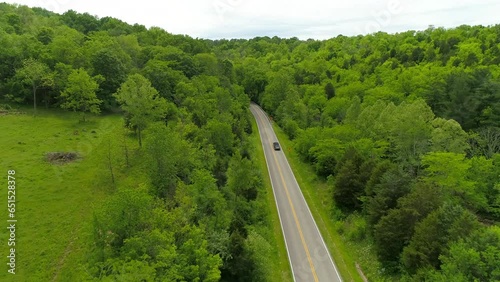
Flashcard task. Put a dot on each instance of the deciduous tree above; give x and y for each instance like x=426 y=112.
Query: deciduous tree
x=37 y=74
x=141 y=101
x=80 y=93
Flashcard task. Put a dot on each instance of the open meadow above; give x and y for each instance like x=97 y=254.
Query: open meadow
x=55 y=200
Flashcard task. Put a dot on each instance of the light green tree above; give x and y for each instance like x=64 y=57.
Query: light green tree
x=450 y=171
x=410 y=131
x=80 y=93
x=277 y=90
x=474 y=258
x=65 y=47
x=448 y=136
x=141 y=102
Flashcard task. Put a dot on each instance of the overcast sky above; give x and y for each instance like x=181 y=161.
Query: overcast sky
x=318 y=19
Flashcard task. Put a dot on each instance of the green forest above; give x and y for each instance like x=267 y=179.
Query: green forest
x=403 y=129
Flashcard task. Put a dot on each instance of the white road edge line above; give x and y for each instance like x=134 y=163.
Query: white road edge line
x=310 y=214
x=308 y=209
x=274 y=194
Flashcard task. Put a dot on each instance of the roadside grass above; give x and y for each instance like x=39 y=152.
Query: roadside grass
x=280 y=268
x=346 y=253
x=55 y=202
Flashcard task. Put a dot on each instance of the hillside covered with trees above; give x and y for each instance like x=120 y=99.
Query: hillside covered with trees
x=404 y=128
x=193 y=207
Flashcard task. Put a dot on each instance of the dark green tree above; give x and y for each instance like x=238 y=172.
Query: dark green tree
x=395 y=230
x=352 y=175
x=329 y=90
x=434 y=234
x=37 y=75
x=114 y=71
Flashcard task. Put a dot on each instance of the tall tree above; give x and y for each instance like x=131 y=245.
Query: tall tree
x=433 y=235
x=37 y=74
x=352 y=176
x=141 y=102
x=170 y=159
x=395 y=230
x=110 y=64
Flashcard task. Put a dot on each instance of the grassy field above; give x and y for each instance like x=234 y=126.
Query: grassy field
x=346 y=253
x=281 y=266
x=55 y=202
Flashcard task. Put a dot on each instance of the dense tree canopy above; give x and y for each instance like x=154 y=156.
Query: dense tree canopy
x=405 y=127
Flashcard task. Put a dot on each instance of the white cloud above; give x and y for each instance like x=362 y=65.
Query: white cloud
x=305 y=19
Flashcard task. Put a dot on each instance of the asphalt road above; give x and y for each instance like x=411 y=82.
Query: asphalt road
x=307 y=252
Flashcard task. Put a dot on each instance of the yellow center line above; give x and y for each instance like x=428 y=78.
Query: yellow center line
x=295 y=217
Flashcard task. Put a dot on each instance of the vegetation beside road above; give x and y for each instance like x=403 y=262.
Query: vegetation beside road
x=316 y=193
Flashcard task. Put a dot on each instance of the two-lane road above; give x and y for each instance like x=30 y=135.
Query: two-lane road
x=307 y=252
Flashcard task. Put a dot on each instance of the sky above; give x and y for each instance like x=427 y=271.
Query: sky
x=316 y=19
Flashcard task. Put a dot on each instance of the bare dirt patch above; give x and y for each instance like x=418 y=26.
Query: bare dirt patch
x=61 y=157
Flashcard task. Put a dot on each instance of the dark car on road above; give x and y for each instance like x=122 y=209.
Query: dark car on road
x=276 y=146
